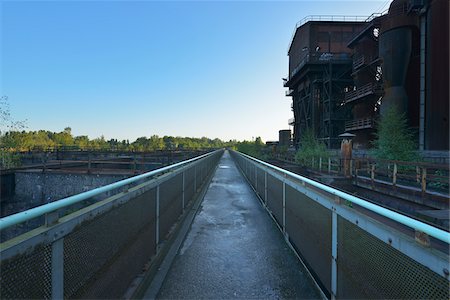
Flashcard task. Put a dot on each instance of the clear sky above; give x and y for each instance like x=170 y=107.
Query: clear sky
x=127 y=69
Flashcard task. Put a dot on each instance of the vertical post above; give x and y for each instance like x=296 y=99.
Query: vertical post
x=256 y=179
x=284 y=205
x=394 y=175
x=334 y=254
x=320 y=164
x=182 y=192
x=58 y=269
x=157 y=218
x=424 y=180
x=329 y=165
x=265 y=188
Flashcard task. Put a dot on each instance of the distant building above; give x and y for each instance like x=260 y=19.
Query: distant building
x=284 y=137
x=343 y=74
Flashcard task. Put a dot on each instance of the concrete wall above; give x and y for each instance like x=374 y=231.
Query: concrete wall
x=39 y=188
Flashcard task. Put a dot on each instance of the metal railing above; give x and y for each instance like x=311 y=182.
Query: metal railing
x=359 y=124
x=353 y=248
x=358 y=61
x=426 y=177
x=98 y=250
x=325 y=18
x=319 y=57
x=367 y=89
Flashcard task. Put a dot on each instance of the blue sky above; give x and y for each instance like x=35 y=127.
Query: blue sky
x=125 y=69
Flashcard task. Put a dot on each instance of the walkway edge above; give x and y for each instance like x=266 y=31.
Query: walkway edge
x=151 y=284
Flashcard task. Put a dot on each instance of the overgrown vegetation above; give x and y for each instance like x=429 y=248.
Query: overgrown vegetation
x=394 y=140
x=252 y=148
x=310 y=149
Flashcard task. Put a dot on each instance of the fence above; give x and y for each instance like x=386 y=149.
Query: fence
x=353 y=248
x=98 y=250
x=426 y=177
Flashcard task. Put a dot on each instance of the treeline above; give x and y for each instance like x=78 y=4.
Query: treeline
x=19 y=141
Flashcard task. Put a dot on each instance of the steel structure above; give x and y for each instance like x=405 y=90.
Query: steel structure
x=320 y=66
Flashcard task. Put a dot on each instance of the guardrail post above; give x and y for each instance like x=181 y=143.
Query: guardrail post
x=157 y=218
x=182 y=192
x=329 y=165
x=265 y=188
x=334 y=254
x=320 y=164
x=394 y=175
x=58 y=269
x=424 y=180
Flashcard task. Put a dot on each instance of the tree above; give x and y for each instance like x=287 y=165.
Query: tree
x=310 y=148
x=394 y=140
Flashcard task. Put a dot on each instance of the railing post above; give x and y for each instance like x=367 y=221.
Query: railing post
x=58 y=269
x=329 y=165
x=265 y=188
x=394 y=175
x=182 y=192
x=424 y=180
x=334 y=254
x=256 y=179
x=320 y=164
x=157 y=218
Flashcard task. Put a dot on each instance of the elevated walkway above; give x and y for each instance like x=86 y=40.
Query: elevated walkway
x=234 y=249
x=149 y=237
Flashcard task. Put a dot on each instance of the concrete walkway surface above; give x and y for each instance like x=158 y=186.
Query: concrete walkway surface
x=234 y=250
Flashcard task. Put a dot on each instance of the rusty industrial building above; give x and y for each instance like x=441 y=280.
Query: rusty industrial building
x=344 y=72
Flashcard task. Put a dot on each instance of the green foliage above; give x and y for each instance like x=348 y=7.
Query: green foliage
x=394 y=140
x=17 y=141
x=310 y=149
x=252 y=148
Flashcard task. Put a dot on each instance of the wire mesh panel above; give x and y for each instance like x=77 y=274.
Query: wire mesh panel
x=251 y=175
x=188 y=186
x=170 y=206
x=370 y=268
x=275 y=197
x=91 y=250
x=309 y=227
x=261 y=184
x=27 y=276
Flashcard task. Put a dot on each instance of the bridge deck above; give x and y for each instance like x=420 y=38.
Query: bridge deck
x=234 y=250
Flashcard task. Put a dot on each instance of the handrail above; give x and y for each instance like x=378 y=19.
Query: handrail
x=38 y=211
x=326 y=18
x=407 y=221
